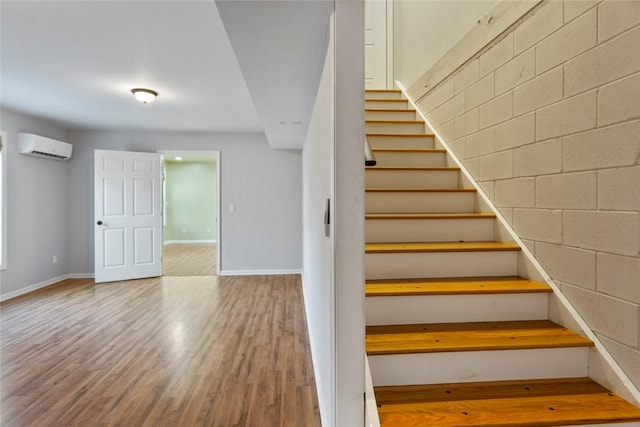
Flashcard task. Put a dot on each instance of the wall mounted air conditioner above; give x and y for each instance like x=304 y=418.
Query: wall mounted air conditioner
x=36 y=145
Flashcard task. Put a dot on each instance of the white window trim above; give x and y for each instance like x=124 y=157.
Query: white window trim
x=3 y=200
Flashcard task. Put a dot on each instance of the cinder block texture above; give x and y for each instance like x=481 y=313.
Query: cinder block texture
x=567 y=117
x=539 y=92
x=619 y=189
x=570 y=265
x=575 y=8
x=613 y=232
x=568 y=42
x=604 y=64
x=515 y=72
x=467 y=76
x=618 y=101
x=619 y=276
x=609 y=316
x=518 y=193
x=547 y=119
x=617 y=16
x=567 y=191
x=544 y=21
x=497 y=55
x=602 y=148
x=541 y=225
x=539 y=159
x=516 y=132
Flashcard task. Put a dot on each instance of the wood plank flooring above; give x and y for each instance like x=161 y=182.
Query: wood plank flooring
x=171 y=351
x=182 y=259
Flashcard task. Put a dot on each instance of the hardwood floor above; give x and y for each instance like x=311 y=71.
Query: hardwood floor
x=189 y=259
x=171 y=351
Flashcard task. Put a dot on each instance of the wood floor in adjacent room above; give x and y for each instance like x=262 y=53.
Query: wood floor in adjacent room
x=171 y=351
x=189 y=259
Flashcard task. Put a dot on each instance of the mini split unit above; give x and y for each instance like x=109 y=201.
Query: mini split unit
x=40 y=146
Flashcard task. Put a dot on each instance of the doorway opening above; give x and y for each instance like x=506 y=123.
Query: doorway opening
x=191 y=212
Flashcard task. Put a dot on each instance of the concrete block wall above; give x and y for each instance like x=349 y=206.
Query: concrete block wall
x=547 y=120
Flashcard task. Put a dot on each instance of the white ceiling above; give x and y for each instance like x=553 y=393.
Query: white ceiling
x=75 y=62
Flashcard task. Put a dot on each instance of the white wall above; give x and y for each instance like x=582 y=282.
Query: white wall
x=423 y=31
x=36 y=208
x=333 y=273
x=263 y=234
x=317 y=254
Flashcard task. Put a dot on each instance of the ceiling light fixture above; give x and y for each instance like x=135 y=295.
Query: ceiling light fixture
x=146 y=96
x=178 y=158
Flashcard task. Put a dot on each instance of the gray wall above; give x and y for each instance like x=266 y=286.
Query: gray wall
x=36 y=208
x=263 y=234
x=50 y=203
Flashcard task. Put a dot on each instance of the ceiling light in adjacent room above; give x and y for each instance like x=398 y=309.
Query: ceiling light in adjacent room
x=146 y=96
x=178 y=158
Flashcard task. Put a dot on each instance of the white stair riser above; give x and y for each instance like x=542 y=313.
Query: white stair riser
x=407 y=159
x=471 y=366
x=428 y=230
x=425 y=141
x=397 y=128
x=440 y=264
x=378 y=103
x=401 y=310
x=377 y=178
x=390 y=115
x=382 y=95
x=417 y=202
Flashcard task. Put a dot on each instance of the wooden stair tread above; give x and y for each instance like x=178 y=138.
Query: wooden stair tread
x=387 y=99
x=546 y=402
x=454 y=286
x=470 y=336
x=382 y=90
x=388 y=110
x=401 y=135
x=472 y=215
x=409 y=247
x=409 y=150
x=411 y=122
x=413 y=168
x=421 y=190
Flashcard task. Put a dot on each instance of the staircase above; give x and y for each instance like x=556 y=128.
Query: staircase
x=454 y=337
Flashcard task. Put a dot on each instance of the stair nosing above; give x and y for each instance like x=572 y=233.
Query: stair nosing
x=429 y=216
x=410 y=150
x=421 y=190
x=454 y=286
x=435 y=247
x=413 y=168
x=434 y=339
x=401 y=135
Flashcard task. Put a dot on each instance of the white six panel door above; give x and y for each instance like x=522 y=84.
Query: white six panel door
x=128 y=215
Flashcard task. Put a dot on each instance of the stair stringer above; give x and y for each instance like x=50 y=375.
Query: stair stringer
x=603 y=368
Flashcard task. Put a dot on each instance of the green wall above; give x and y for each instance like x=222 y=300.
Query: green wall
x=190 y=201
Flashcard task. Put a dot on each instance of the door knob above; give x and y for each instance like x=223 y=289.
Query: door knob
x=99 y=223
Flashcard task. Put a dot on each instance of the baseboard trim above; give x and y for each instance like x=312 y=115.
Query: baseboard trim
x=192 y=242
x=28 y=289
x=257 y=272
